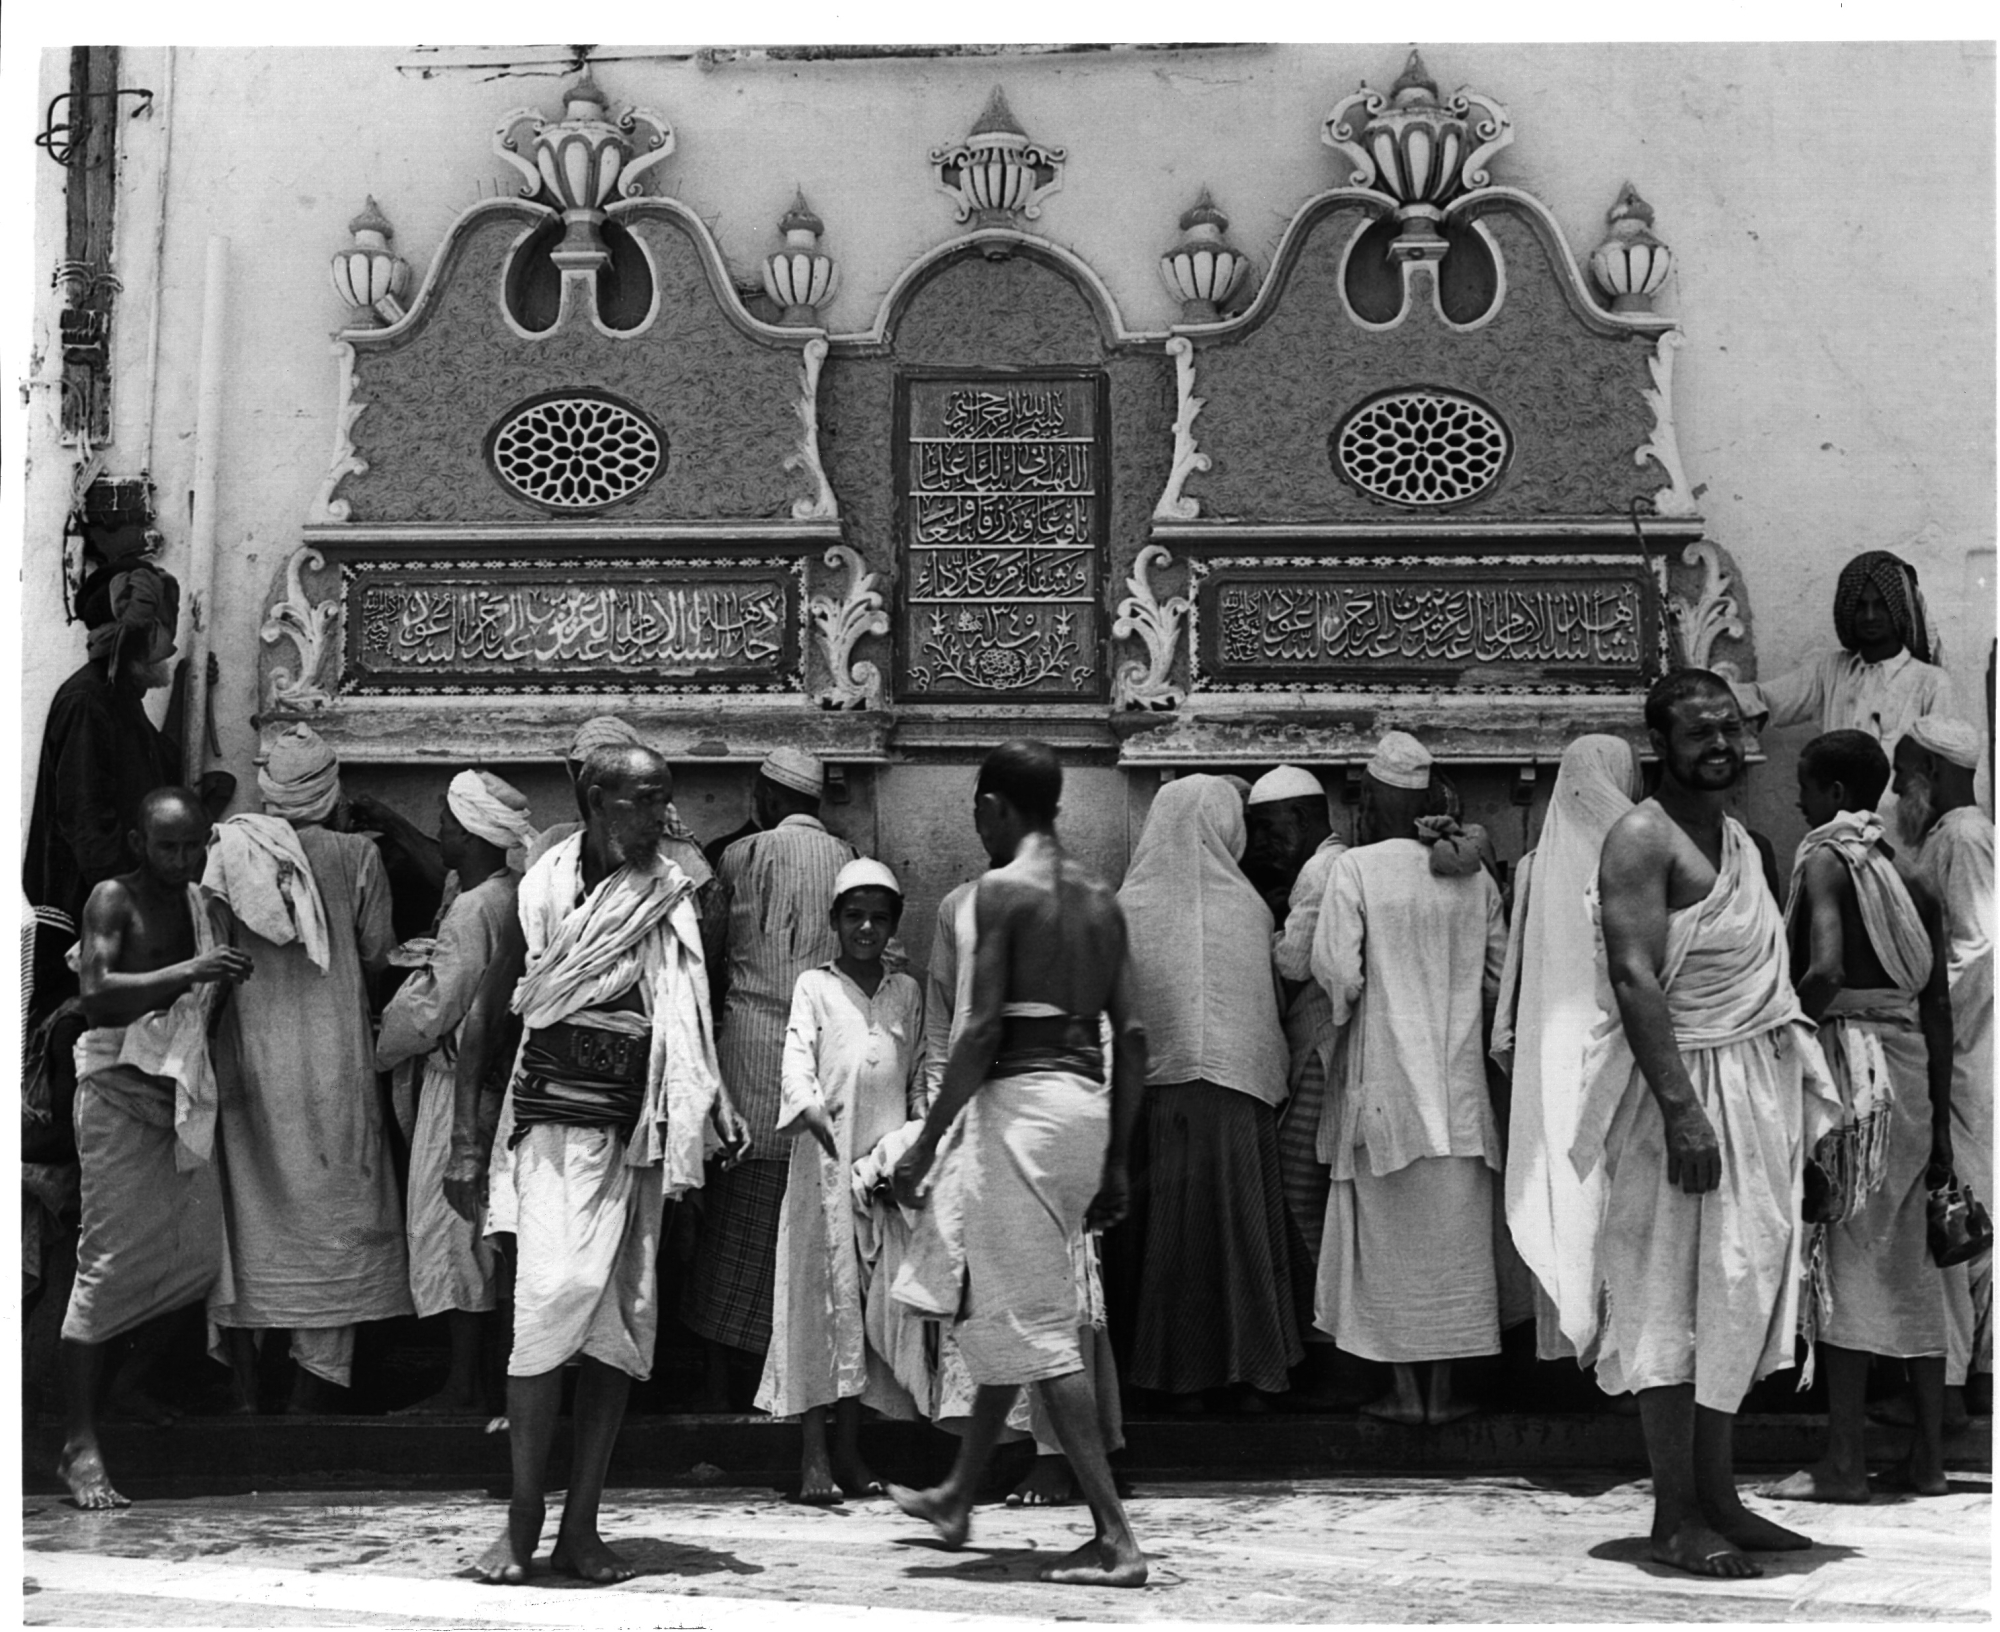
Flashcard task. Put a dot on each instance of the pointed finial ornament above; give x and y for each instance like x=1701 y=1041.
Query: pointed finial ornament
x=997 y=176
x=368 y=275
x=1202 y=271
x=1418 y=149
x=799 y=277
x=1630 y=264
x=371 y=219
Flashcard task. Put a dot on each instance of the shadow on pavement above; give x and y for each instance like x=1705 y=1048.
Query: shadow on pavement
x=1637 y=1550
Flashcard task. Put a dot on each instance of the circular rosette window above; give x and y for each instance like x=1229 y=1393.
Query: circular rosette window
x=576 y=452
x=1423 y=447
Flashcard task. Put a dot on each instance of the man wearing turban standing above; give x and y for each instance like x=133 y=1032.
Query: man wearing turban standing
x=313 y=1224
x=483 y=829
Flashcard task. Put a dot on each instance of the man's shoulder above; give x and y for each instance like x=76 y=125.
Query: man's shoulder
x=110 y=899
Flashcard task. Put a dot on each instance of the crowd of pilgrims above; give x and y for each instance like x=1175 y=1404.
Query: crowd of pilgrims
x=1381 y=1076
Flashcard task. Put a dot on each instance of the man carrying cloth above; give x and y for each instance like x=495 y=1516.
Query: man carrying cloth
x=1044 y=1150
x=1700 y=1099
x=1951 y=840
x=155 y=960
x=607 y=1113
x=1863 y=954
x=482 y=829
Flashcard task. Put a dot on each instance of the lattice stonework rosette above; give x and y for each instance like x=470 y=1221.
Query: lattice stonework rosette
x=576 y=452
x=1423 y=448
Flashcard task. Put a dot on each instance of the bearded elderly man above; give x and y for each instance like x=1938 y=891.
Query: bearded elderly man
x=1952 y=839
x=1700 y=1098
x=314 y=1222
x=482 y=829
x=613 y=1101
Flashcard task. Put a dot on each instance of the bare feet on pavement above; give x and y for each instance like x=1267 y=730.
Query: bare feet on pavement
x=951 y=1520
x=1818 y=1483
x=1097 y=1563
x=857 y=1479
x=589 y=1559
x=1394 y=1408
x=1904 y=1477
x=1753 y=1532
x=1049 y=1484
x=501 y=1566
x=816 y=1486
x=1700 y=1551
x=82 y=1469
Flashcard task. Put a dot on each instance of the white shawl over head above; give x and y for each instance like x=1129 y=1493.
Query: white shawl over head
x=258 y=866
x=1201 y=946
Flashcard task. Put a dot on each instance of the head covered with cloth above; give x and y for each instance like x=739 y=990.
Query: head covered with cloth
x=491 y=809
x=129 y=615
x=1894 y=582
x=300 y=780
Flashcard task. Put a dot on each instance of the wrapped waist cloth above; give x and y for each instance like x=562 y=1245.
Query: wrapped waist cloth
x=580 y=1077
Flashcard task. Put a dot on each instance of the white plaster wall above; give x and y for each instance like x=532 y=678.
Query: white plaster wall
x=1835 y=278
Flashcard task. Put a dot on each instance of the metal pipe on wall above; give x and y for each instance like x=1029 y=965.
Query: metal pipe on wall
x=201 y=521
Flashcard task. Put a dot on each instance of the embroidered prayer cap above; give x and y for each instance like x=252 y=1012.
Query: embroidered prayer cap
x=1286 y=782
x=864 y=873
x=604 y=731
x=300 y=779
x=490 y=809
x=139 y=599
x=1400 y=761
x=1949 y=739
x=794 y=768
x=1896 y=580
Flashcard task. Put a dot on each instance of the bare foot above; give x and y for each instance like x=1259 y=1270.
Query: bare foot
x=589 y=1559
x=1049 y=1484
x=1898 y=1411
x=1700 y=1551
x=816 y=1486
x=82 y=1469
x=1393 y=1408
x=1454 y=1410
x=1754 y=1533
x=501 y=1565
x=857 y=1479
x=1904 y=1477
x=444 y=1403
x=1818 y=1483
x=951 y=1520
x=1097 y=1563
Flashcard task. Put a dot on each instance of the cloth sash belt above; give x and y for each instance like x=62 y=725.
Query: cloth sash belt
x=580 y=1077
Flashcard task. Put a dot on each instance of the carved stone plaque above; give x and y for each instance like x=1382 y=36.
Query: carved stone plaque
x=620 y=623
x=1001 y=502
x=1272 y=624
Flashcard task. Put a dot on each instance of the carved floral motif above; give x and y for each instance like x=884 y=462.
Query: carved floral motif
x=1174 y=505
x=821 y=506
x=1707 y=615
x=840 y=624
x=1142 y=615
x=1663 y=446
x=345 y=462
x=311 y=628
x=996 y=176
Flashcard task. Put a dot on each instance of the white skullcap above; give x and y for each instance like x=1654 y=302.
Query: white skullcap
x=1400 y=761
x=300 y=780
x=794 y=768
x=865 y=874
x=1948 y=739
x=604 y=731
x=490 y=809
x=1286 y=782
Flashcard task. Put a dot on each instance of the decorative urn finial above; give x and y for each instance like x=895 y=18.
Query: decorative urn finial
x=582 y=162
x=799 y=277
x=1418 y=150
x=1631 y=264
x=1202 y=271
x=370 y=276
x=997 y=176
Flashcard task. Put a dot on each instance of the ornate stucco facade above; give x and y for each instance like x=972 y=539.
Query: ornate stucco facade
x=1018 y=428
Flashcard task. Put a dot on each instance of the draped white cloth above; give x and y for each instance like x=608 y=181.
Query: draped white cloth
x=1201 y=946
x=258 y=866
x=1548 y=1009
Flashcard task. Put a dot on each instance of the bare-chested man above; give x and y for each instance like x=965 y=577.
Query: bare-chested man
x=154 y=960
x=1700 y=1102
x=1044 y=1149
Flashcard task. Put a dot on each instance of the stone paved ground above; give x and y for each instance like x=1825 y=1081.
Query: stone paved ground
x=1540 y=1549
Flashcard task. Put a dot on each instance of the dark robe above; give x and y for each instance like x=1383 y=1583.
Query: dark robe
x=100 y=756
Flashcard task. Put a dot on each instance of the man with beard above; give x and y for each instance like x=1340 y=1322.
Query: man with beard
x=1952 y=840
x=1700 y=1102
x=612 y=1103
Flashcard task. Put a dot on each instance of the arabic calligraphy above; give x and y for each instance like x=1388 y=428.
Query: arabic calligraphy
x=1330 y=623
x=1002 y=520
x=435 y=627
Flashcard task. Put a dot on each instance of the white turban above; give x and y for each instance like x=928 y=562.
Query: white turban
x=1948 y=738
x=863 y=873
x=794 y=768
x=490 y=809
x=1286 y=782
x=1400 y=761
x=300 y=780
x=604 y=731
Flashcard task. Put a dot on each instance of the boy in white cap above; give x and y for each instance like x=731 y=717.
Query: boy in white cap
x=1951 y=838
x=779 y=881
x=1292 y=841
x=852 y=1076
x=315 y=1226
x=482 y=829
x=1410 y=960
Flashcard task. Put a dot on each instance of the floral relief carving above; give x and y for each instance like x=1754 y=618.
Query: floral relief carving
x=1707 y=615
x=1188 y=457
x=1142 y=615
x=345 y=461
x=840 y=624
x=821 y=505
x=1663 y=446
x=313 y=629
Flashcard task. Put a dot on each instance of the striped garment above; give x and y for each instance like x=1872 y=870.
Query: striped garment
x=727 y=1296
